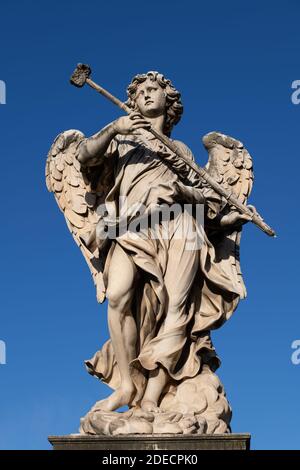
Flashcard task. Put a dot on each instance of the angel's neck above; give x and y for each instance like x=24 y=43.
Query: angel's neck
x=157 y=123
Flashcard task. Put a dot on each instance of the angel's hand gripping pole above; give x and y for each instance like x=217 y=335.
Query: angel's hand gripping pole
x=81 y=76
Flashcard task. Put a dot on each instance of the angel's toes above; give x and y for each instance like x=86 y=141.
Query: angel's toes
x=150 y=406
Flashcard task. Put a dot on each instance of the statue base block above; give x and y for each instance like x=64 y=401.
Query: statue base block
x=134 y=442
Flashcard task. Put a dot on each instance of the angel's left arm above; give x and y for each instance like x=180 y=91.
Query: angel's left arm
x=199 y=190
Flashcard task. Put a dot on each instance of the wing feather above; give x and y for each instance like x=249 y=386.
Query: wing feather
x=78 y=194
x=231 y=165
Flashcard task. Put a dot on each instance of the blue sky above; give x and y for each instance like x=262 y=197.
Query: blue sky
x=234 y=63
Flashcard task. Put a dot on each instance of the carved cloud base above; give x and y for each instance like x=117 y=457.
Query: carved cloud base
x=195 y=406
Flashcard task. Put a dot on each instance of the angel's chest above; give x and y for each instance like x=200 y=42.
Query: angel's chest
x=138 y=153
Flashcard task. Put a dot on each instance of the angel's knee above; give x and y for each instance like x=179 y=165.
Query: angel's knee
x=119 y=299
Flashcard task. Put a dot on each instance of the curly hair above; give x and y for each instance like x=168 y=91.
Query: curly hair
x=173 y=98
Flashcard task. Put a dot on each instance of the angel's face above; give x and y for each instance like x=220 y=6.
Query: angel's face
x=150 y=99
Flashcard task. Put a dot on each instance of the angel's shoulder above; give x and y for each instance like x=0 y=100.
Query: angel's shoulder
x=185 y=149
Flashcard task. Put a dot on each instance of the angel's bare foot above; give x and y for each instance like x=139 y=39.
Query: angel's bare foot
x=150 y=406
x=121 y=397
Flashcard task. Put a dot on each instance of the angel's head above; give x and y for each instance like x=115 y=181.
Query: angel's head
x=153 y=95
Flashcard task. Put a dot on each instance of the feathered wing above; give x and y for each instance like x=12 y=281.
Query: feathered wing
x=231 y=166
x=78 y=193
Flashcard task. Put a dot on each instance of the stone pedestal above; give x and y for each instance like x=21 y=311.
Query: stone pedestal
x=152 y=442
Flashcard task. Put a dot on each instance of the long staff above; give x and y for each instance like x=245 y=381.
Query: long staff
x=81 y=76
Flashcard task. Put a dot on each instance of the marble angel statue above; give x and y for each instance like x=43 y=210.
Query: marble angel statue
x=165 y=290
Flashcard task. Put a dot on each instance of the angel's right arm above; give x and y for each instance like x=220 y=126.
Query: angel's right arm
x=93 y=149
